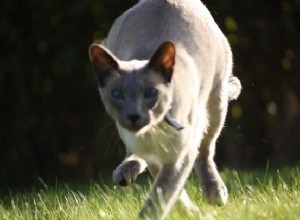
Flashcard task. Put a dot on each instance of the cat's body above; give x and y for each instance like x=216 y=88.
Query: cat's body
x=141 y=80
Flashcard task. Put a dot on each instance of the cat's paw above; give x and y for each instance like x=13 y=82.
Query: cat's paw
x=127 y=172
x=212 y=185
x=185 y=200
x=215 y=191
x=149 y=211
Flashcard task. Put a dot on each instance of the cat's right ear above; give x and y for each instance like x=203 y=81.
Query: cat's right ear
x=104 y=63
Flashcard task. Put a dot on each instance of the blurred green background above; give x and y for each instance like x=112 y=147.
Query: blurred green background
x=52 y=122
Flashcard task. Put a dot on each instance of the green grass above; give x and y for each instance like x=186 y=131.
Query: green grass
x=252 y=195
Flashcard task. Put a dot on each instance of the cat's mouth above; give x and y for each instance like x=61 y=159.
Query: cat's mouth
x=138 y=130
x=143 y=127
x=135 y=123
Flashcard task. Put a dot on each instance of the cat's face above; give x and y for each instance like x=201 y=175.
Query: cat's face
x=136 y=94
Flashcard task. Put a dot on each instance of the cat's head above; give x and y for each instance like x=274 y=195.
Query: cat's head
x=136 y=94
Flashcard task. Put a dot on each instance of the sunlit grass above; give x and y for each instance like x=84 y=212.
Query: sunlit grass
x=270 y=194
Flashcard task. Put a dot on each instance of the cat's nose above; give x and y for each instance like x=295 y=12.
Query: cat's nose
x=133 y=118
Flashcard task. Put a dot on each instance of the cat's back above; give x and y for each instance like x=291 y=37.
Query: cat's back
x=140 y=30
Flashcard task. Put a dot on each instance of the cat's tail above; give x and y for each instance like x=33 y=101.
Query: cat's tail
x=234 y=88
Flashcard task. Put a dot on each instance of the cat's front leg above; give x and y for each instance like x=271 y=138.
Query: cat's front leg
x=167 y=187
x=127 y=172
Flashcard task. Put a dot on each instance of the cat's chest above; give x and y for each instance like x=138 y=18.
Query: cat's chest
x=161 y=144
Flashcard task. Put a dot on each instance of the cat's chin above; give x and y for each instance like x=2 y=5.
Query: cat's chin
x=143 y=130
x=138 y=131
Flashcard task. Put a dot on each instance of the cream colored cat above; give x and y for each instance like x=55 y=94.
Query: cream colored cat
x=165 y=77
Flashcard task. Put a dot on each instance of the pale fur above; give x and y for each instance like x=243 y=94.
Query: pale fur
x=202 y=85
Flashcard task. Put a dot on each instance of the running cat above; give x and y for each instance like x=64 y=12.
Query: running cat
x=165 y=77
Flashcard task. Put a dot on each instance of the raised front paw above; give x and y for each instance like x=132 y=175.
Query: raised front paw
x=127 y=172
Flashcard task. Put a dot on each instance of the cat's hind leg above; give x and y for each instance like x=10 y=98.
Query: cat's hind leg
x=211 y=183
x=127 y=172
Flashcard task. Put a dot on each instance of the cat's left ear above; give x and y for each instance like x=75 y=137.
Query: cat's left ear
x=104 y=63
x=163 y=60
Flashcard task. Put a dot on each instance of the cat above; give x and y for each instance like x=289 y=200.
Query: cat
x=164 y=75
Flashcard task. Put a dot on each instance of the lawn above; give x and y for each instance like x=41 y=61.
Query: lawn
x=256 y=194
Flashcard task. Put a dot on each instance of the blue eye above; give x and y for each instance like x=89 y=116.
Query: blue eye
x=150 y=93
x=117 y=94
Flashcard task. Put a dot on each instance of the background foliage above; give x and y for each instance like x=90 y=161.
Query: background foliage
x=53 y=125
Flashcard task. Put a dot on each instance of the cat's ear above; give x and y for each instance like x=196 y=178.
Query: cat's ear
x=163 y=60
x=104 y=63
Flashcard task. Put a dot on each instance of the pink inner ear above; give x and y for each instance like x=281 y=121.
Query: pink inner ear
x=98 y=55
x=101 y=58
x=168 y=61
x=163 y=60
x=167 y=55
x=95 y=51
x=164 y=56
